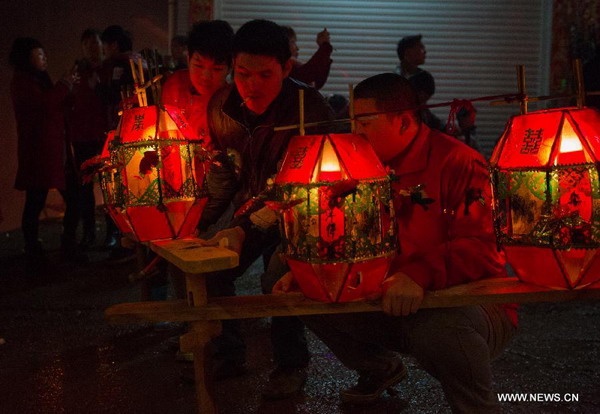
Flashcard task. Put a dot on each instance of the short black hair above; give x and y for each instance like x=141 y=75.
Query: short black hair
x=262 y=37
x=116 y=33
x=89 y=33
x=20 y=52
x=406 y=43
x=212 y=39
x=391 y=92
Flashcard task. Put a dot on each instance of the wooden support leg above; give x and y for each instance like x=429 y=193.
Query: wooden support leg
x=197 y=340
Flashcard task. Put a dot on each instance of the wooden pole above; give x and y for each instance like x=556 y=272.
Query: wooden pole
x=522 y=88
x=351 y=108
x=578 y=70
x=301 y=105
x=136 y=81
x=142 y=91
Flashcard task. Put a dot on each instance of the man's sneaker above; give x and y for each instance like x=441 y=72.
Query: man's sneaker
x=371 y=385
x=284 y=383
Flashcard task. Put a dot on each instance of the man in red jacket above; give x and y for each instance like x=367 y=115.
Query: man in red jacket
x=442 y=201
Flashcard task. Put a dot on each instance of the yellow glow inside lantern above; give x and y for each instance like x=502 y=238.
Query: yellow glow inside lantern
x=570 y=141
x=328 y=168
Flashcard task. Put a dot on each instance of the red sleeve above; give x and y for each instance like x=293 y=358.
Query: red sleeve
x=469 y=252
x=316 y=70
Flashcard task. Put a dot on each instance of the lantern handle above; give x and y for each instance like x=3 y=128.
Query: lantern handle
x=522 y=88
x=578 y=70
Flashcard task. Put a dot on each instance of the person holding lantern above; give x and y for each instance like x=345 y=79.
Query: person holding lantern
x=38 y=106
x=443 y=207
x=242 y=118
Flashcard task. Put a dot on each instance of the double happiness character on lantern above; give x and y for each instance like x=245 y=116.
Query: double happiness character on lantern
x=337 y=222
x=547 y=195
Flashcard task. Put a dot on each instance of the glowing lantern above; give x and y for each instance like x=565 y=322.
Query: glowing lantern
x=335 y=199
x=153 y=187
x=547 y=196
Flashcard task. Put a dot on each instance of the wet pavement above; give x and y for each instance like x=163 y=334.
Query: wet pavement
x=59 y=355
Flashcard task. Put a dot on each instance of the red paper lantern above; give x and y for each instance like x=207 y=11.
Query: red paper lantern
x=153 y=186
x=338 y=227
x=547 y=196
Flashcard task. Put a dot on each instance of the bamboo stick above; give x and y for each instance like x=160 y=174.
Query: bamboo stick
x=522 y=87
x=351 y=108
x=578 y=69
x=301 y=105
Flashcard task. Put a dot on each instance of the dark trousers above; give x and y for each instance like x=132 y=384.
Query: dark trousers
x=230 y=344
x=454 y=345
x=290 y=348
x=35 y=200
x=79 y=196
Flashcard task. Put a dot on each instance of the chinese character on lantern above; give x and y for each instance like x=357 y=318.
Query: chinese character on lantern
x=547 y=196
x=339 y=234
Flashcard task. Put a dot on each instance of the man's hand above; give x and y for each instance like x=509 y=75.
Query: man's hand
x=401 y=295
x=283 y=285
x=323 y=37
x=234 y=239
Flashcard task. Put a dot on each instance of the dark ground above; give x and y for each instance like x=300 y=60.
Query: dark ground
x=60 y=356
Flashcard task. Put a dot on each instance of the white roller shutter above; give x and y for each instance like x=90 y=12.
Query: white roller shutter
x=472 y=46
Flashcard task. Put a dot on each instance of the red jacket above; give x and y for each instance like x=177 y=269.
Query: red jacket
x=39 y=113
x=178 y=91
x=316 y=70
x=445 y=228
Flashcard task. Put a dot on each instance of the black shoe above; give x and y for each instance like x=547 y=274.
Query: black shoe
x=223 y=369
x=371 y=385
x=70 y=252
x=284 y=383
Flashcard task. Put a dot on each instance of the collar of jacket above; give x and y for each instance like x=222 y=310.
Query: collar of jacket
x=415 y=157
x=286 y=100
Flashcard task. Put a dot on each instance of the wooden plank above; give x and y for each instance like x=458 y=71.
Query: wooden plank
x=191 y=256
x=501 y=290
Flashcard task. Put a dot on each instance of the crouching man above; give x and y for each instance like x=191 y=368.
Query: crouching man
x=442 y=201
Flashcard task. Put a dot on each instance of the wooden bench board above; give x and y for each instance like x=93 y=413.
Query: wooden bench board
x=191 y=256
x=488 y=291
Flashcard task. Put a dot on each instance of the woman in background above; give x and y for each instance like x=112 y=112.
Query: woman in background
x=38 y=106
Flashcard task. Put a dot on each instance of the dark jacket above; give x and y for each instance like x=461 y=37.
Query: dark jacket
x=39 y=112
x=253 y=152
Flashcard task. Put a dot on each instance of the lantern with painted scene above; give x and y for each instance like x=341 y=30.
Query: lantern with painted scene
x=337 y=219
x=154 y=188
x=547 y=196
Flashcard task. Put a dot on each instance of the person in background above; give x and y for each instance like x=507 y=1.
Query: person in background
x=316 y=70
x=39 y=112
x=446 y=238
x=86 y=132
x=179 y=52
x=115 y=78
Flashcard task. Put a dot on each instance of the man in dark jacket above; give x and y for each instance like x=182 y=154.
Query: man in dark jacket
x=242 y=118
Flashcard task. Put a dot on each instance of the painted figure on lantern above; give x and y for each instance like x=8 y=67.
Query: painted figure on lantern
x=547 y=196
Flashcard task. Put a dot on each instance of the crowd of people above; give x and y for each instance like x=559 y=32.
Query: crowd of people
x=448 y=243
